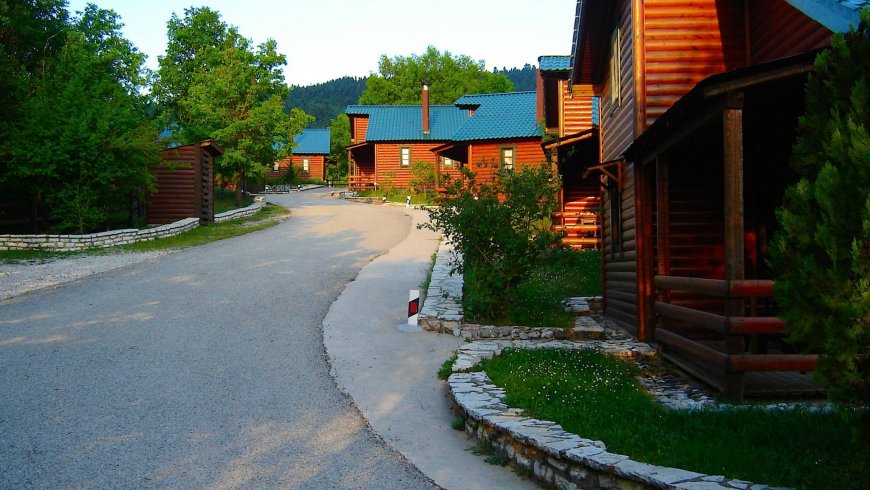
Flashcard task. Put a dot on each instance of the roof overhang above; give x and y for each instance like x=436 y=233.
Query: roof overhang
x=571 y=139
x=705 y=102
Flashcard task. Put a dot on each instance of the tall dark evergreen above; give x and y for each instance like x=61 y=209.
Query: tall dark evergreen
x=822 y=253
x=524 y=79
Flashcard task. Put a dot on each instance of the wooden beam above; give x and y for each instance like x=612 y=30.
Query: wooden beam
x=697 y=318
x=710 y=287
x=732 y=122
x=644 y=176
x=694 y=349
x=755 y=325
x=639 y=49
x=773 y=362
x=800 y=68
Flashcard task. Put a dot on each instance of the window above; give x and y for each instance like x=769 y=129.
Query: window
x=276 y=166
x=615 y=68
x=305 y=165
x=506 y=159
x=405 y=156
x=447 y=163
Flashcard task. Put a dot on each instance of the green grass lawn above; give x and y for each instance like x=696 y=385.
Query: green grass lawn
x=597 y=397
x=537 y=301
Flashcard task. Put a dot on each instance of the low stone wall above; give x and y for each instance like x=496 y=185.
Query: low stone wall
x=95 y=240
x=543 y=449
x=240 y=212
x=114 y=238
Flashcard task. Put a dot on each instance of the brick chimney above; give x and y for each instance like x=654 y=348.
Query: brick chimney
x=425 y=97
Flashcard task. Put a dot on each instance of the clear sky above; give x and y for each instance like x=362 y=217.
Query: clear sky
x=327 y=39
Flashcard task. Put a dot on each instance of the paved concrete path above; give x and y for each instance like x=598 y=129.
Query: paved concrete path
x=391 y=372
x=199 y=369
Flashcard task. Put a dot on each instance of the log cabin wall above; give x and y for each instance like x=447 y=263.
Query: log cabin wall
x=778 y=30
x=620 y=251
x=617 y=122
x=316 y=166
x=358 y=127
x=176 y=181
x=485 y=156
x=576 y=108
x=685 y=42
x=389 y=172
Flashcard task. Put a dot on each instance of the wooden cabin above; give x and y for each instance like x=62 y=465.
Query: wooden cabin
x=570 y=117
x=184 y=184
x=385 y=140
x=309 y=158
x=500 y=133
x=699 y=101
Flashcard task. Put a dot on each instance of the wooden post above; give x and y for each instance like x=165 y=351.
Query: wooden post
x=645 y=260
x=663 y=227
x=732 y=121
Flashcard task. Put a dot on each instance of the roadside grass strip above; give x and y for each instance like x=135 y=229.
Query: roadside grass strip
x=599 y=397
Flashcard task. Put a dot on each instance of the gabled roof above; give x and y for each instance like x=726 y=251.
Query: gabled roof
x=312 y=141
x=405 y=122
x=835 y=15
x=554 y=63
x=499 y=116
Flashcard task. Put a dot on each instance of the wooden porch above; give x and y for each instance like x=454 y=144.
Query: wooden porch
x=712 y=172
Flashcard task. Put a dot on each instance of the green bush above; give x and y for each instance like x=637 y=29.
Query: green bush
x=422 y=178
x=499 y=228
x=822 y=253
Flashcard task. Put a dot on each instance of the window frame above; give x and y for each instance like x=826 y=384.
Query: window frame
x=615 y=68
x=447 y=163
x=501 y=158
x=402 y=162
x=306 y=164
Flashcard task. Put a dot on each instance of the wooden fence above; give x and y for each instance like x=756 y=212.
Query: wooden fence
x=744 y=335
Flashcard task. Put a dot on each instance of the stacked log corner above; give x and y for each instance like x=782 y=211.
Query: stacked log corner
x=184 y=184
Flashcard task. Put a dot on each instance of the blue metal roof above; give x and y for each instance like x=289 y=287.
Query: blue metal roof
x=312 y=141
x=554 y=63
x=836 y=15
x=405 y=122
x=499 y=116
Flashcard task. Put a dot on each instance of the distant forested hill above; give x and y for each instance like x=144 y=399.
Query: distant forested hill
x=523 y=78
x=326 y=100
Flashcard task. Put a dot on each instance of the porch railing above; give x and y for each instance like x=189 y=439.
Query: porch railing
x=359 y=183
x=724 y=368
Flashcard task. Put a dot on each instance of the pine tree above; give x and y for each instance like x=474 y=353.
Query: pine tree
x=822 y=253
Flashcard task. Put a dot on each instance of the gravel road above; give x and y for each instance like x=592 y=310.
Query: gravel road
x=202 y=368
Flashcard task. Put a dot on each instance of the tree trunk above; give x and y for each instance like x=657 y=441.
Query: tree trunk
x=239 y=190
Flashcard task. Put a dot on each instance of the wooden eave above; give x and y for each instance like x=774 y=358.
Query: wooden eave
x=591 y=44
x=571 y=139
x=612 y=169
x=211 y=147
x=705 y=102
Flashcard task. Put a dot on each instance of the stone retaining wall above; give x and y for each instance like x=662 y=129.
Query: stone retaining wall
x=114 y=238
x=95 y=240
x=239 y=213
x=543 y=449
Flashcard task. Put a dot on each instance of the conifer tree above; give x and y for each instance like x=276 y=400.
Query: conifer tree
x=822 y=252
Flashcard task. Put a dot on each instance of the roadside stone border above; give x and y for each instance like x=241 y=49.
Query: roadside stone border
x=114 y=238
x=287 y=189
x=240 y=212
x=553 y=456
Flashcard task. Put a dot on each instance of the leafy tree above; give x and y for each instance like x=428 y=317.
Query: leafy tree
x=499 y=229
x=422 y=177
x=339 y=140
x=822 y=253
x=214 y=84
x=82 y=141
x=399 y=79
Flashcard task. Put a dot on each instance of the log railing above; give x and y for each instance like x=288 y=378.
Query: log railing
x=730 y=365
x=359 y=183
